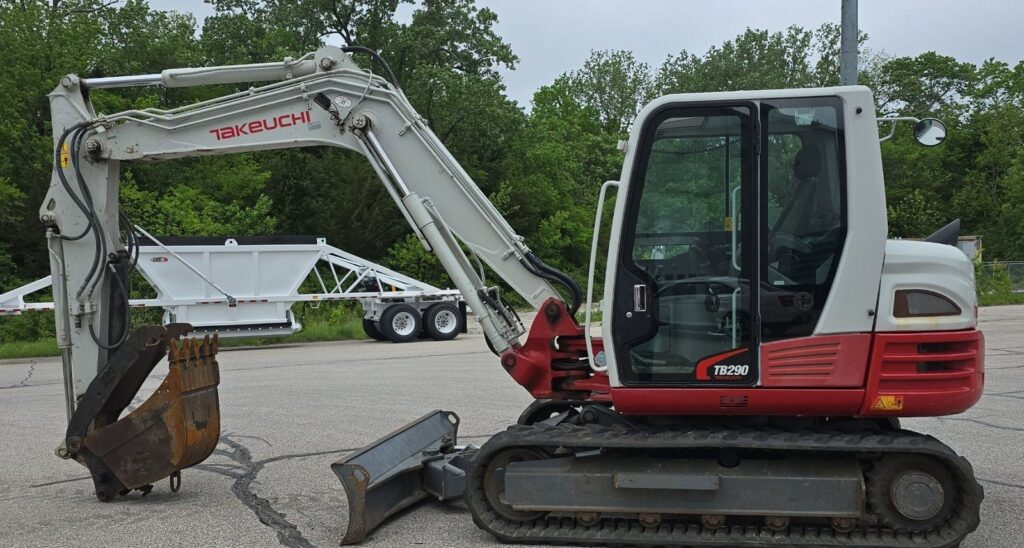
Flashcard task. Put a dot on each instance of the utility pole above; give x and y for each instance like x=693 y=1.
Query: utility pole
x=849 y=33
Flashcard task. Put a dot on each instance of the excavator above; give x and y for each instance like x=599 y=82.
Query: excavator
x=762 y=338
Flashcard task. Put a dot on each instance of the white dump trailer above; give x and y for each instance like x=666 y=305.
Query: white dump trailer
x=246 y=286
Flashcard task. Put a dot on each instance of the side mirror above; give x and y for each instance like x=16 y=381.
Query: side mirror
x=930 y=132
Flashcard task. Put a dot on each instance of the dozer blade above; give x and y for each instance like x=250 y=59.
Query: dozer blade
x=177 y=427
x=414 y=462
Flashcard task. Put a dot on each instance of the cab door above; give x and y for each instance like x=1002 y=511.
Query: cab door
x=686 y=279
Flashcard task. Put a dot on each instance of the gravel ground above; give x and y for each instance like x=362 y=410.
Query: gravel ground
x=288 y=412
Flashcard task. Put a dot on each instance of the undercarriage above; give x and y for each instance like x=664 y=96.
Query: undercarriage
x=695 y=483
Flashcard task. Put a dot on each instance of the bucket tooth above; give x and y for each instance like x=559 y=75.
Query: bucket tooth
x=177 y=427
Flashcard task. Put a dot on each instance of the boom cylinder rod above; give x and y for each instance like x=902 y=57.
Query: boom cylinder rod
x=228 y=74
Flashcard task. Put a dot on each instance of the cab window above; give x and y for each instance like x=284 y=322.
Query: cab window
x=803 y=208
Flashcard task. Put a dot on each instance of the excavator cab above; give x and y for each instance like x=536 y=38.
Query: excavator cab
x=733 y=228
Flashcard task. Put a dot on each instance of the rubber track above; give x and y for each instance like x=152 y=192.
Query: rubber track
x=621 y=531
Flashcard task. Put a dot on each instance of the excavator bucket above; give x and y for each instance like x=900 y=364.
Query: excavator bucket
x=177 y=427
x=417 y=461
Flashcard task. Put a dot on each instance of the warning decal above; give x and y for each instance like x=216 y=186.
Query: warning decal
x=887 y=402
x=65 y=156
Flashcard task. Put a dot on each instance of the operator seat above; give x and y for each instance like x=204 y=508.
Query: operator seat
x=807 y=163
x=785 y=235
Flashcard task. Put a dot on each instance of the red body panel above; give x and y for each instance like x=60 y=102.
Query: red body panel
x=552 y=364
x=908 y=374
x=826 y=361
x=896 y=385
x=930 y=373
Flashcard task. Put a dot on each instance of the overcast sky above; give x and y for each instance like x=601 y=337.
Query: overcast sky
x=554 y=36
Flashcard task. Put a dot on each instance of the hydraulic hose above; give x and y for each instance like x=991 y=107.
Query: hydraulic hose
x=377 y=57
x=84 y=203
x=96 y=272
x=546 y=271
x=64 y=181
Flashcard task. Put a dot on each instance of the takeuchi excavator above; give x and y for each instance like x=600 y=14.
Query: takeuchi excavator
x=761 y=337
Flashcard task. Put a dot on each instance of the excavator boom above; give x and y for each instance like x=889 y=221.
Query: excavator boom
x=321 y=99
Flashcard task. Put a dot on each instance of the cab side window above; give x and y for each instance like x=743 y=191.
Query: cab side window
x=804 y=212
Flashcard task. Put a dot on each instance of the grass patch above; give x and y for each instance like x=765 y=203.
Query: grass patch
x=996 y=299
x=316 y=330
x=29 y=349
x=595 y=316
x=30 y=335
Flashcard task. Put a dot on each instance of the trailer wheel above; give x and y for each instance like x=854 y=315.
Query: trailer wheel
x=443 y=322
x=372 y=331
x=400 y=323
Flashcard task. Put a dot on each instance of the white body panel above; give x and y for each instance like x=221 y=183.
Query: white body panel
x=849 y=305
x=940 y=268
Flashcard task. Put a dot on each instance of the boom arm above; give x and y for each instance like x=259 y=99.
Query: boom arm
x=325 y=100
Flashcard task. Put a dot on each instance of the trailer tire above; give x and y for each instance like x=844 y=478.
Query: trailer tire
x=372 y=331
x=443 y=322
x=400 y=323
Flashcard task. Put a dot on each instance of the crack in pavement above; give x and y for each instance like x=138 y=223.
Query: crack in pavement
x=1004 y=368
x=1003 y=393
x=1010 y=350
x=235 y=471
x=983 y=423
x=287 y=533
x=24 y=382
x=1014 y=396
x=58 y=482
x=1003 y=483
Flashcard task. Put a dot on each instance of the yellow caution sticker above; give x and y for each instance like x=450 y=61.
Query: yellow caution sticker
x=65 y=156
x=888 y=402
x=728 y=224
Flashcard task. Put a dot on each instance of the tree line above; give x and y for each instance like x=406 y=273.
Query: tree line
x=542 y=164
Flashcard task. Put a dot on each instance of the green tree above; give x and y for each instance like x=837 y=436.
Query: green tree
x=613 y=84
x=554 y=171
x=913 y=216
x=417 y=262
x=755 y=59
x=39 y=43
x=11 y=200
x=922 y=85
x=446 y=59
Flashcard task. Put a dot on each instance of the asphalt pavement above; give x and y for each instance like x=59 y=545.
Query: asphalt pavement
x=289 y=411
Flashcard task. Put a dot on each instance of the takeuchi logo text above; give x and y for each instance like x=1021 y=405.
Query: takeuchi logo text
x=259 y=126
